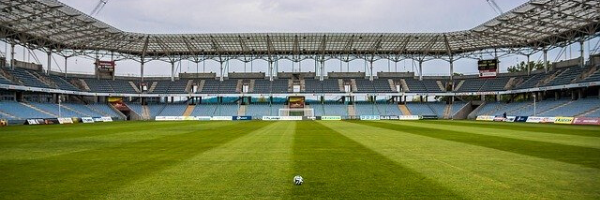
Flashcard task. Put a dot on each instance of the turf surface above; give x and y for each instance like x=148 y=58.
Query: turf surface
x=338 y=159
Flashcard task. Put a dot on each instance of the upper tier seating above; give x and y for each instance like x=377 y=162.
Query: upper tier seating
x=423 y=86
x=170 y=87
x=27 y=78
x=63 y=84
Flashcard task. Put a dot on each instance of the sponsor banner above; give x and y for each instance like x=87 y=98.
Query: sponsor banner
x=409 y=117
x=521 y=119
x=189 y=118
x=370 y=117
x=98 y=119
x=169 y=118
x=309 y=118
x=107 y=119
x=271 y=118
x=586 y=121
x=389 y=117
x=35 y=121
x=548 y=119
x=221 y=118
x=51 y=121
x=65 y=120
x=242 y=117
x=331 y=118
x=499 y=119
x=534 y=119
x=202 y=118
x=87 y=120
x=282 y=118
x=510 y=118
x=291 y=118
x=429 y=117
x=485 y=118
x=563 y=120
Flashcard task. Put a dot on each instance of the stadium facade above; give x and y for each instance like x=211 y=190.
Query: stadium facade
x=566 y=88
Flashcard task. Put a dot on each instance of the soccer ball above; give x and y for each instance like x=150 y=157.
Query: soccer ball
x=298 y=180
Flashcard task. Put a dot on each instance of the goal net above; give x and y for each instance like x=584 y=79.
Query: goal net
x=307 y=112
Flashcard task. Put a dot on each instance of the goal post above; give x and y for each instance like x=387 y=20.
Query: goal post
x=306 y=112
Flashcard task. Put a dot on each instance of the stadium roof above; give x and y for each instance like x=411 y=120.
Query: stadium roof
x=537 y=24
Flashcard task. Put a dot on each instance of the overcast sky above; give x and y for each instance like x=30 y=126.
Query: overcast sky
x=265 y=16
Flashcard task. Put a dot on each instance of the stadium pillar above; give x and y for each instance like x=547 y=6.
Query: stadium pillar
x=528 y=66
x=371 y=69
x=142 y=70
x=451 y=70
x=582 y=52
x=270 y=70
x=12 y=56
x=49 y=61
x=172 y=71
x=322 y=70
x=545 y=60
x=221 y=71
x=66 y=58
x=420 y=70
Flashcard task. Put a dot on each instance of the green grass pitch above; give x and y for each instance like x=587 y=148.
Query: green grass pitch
x=338 y=160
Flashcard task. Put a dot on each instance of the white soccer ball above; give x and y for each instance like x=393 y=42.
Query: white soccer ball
x=298 y=180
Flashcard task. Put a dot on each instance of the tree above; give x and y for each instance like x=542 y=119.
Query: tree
x=522 y=66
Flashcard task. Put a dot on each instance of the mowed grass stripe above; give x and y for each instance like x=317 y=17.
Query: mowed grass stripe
x=334 y=166
x=477 y=172
x=98 y=137
x=589 y=131
x=92 y=173
x=589 y=157
x=14 y=135
x=254 y=166
x=540 y=136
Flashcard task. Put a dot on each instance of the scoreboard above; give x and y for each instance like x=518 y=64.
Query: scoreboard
x=487 y=68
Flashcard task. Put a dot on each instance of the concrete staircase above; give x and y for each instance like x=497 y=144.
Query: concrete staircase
x=37 y=109
x=189 y=110
x=459 y=85
x=351 y=110
x=441 y=86
x=238 y=86
x=251 y=85
x=201 y=85
x=404 y=110
x=392 y=85
x=404 y=85
x=447 y=112
x=145 y=112
x=82 y=84
x=188 y=86
x=242 y=110
x=134 y=87
x=152 y=87
x=354 y=87
x=341 y=85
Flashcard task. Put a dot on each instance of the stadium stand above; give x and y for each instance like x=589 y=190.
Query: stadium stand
x=420 y=109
